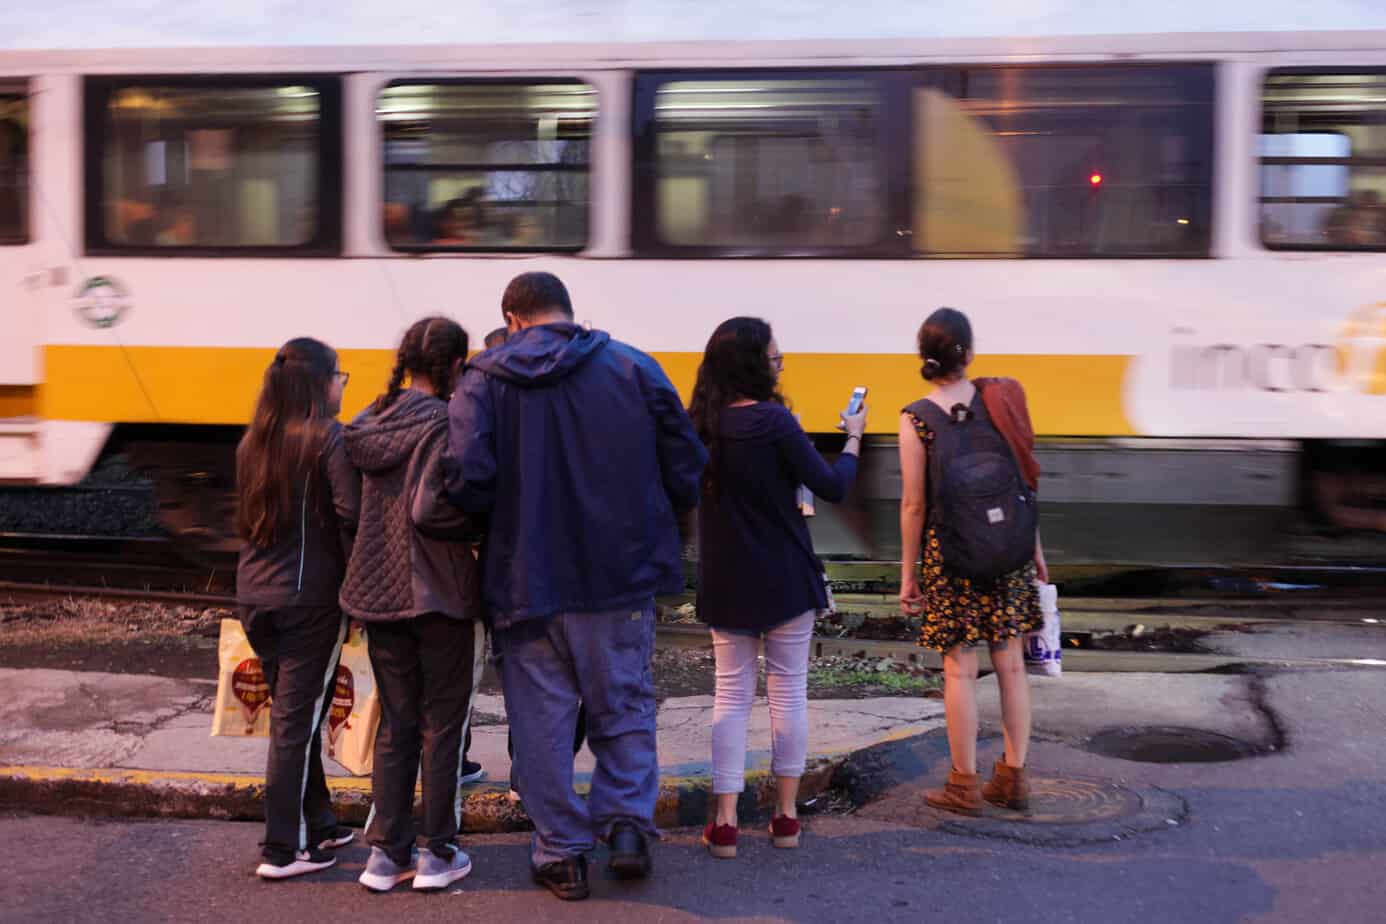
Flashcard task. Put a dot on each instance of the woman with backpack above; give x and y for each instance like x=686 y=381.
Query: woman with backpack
x=759 y=581
x=413 y=580
x=969 y=474
x=296 y=507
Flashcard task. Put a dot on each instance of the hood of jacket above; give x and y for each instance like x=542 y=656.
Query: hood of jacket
x=543 y=354
x=378 y=442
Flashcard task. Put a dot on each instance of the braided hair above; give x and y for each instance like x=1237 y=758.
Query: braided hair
x=428 y=351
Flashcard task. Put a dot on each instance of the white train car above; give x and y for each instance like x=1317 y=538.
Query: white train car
x=1178 y=242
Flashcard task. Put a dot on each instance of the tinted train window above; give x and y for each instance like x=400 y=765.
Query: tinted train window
x=1323 y=160
x=487 y=166
x=1063 y=161
x=192 y=166
x=763 y=165
x=14 y=169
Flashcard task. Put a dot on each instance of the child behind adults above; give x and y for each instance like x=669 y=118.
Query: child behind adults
x=413 y=579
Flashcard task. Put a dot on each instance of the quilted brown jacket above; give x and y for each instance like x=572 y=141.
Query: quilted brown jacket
x=414 y=553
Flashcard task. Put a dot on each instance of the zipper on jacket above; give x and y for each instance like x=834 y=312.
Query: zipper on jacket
x=303 y=532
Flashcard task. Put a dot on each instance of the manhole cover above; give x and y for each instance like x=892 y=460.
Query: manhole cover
x=1067 y=812
x=1169 y=745
x=1076 y=802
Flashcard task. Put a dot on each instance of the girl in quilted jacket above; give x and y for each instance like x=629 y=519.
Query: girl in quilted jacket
x=413 y=580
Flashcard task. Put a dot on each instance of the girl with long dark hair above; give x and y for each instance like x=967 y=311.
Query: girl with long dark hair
x=297 y=502
x=758 y=578
x=413 y=579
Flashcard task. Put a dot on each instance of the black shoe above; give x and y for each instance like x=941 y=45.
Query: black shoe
x=334 y=837
x=630 y=852
x=565 y=878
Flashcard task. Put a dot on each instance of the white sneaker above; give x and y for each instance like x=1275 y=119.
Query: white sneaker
x=383 y=874
x=436 y=873
x=305 y=861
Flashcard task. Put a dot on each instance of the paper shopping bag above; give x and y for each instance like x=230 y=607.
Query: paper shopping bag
x=355 y=713
x=1044 y=653
x=243 y=695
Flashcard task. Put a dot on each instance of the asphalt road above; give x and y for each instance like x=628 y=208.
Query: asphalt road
x=1294 y=836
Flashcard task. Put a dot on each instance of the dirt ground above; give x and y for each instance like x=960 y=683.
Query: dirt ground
x=83 y=634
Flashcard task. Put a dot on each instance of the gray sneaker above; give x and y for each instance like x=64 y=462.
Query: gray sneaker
x=383 y=874
x=435 y=872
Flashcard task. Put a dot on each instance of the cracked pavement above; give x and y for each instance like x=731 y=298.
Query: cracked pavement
x=87 y=720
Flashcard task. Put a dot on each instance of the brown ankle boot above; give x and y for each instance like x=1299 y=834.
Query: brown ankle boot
x=1008 y=787
x=959 y=794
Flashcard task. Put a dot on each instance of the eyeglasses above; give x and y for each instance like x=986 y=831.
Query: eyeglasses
x=344 y=376
x=777 y=360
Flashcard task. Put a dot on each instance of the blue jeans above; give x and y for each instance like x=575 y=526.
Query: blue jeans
x=602 y=660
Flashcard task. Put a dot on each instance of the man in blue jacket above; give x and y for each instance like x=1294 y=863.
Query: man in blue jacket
x=579 y=449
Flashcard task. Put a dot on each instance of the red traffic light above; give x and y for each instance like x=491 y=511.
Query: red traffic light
x=1095 y=179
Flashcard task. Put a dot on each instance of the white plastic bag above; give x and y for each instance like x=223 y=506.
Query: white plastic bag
x=243 y=695
x=1044 y=653
x=355 y=714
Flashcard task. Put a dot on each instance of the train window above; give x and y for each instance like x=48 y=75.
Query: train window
x=761 y=165
x=1323 y=160
x=190 y=166
x=14 y=169
x=487 y=165
x=1064 y=162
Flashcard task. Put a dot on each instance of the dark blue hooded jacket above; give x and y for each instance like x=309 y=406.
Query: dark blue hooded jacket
x=580 y=450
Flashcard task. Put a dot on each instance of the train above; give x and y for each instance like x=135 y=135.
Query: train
x=1177 y=242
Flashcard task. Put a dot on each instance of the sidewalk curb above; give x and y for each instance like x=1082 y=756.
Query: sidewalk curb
x=683 y=800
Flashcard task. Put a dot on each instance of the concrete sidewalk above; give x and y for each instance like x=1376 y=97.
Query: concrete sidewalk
x=122 y=744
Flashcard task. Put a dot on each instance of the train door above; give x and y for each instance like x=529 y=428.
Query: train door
x=20 y=283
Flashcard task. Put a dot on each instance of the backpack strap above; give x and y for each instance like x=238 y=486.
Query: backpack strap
x=927 y=417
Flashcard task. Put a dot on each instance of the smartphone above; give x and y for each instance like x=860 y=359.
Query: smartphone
x=857 y=399
x=854 y=403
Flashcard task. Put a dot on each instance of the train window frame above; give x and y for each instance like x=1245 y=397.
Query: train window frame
x=326 y=241
x=1376 y=162
x=516 y=81
x=646 y=241
x=951 y=79
x=19 y=90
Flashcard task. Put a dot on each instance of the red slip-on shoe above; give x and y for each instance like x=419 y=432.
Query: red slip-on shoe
x=784 y=831
x=720 y=840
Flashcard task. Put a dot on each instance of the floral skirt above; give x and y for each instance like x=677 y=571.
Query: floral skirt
x=961 y=611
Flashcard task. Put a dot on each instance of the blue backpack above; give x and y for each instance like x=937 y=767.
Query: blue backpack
x=982 y=511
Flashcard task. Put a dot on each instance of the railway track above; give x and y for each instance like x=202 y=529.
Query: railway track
x=103 y=563
x=158 y=564
x=37 y=568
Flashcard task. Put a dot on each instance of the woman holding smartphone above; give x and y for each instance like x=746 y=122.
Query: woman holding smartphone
x=759 y=581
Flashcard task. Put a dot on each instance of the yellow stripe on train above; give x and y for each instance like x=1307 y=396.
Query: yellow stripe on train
x=1069 y=395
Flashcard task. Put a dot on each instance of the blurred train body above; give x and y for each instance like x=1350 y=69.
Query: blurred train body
x=1178 y=242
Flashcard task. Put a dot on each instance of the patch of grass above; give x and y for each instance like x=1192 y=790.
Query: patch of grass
x=896 y=683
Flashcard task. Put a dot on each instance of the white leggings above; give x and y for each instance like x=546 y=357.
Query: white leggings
x=786 y=684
